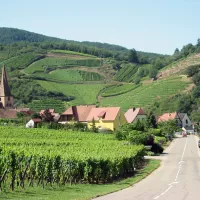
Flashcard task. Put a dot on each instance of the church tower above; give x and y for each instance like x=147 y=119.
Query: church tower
x=6 y=98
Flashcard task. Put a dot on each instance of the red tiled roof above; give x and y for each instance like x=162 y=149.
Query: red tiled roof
x=8 y=113
x=132 y=113
x=110 y=113
x=168 y=116
x=80 y=113
x=37 y=120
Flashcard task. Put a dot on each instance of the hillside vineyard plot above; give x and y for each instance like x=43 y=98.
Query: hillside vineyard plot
x=71 y=75
x=147 y=94
x=39 y=156
x=53 y=63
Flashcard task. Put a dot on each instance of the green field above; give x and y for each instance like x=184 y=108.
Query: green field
x=70 y=75
x=147 y=94
x=51 y=63
x=118 y=89
x=84 y=93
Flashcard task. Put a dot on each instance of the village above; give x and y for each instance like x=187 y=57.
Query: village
x=105 y=119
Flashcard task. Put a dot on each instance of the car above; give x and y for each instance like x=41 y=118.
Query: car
x=199 y=143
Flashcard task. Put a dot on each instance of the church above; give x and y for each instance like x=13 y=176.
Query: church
x=7 y=108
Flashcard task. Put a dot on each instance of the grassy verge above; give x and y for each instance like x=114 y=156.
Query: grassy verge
x=80 y=191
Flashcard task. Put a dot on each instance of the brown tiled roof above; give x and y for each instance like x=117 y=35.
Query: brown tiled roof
x=168 y=116
x=8 y=113
x=132 y=113
x=110 y=113
x=80 y=113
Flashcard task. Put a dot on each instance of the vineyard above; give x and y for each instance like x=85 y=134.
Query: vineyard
x=21 y=61
x=51 y=62
x=147 y=94
x=84 y=93
x=70 y=75
x=38 y=105
x=114 y=90
x=40 y=157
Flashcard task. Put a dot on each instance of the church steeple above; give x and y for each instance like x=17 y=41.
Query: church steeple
x=6 y=98
x=5 y=89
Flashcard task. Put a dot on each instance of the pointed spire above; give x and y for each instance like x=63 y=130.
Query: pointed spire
x=5 y=90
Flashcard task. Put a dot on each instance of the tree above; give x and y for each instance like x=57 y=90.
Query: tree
x=196 y=78
x=176 y=52
x=93 y=127
x=153 y=72
x=132 y=57
x=151 y=121
x=198 y=42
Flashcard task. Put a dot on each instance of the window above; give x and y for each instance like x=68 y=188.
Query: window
x=186 y=121
x=8 y=98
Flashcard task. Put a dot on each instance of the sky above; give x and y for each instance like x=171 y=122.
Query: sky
x=156 y=26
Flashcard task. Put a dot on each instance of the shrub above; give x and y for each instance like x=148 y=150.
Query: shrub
x=160 y=140
x=157 y=148
x=155 y=132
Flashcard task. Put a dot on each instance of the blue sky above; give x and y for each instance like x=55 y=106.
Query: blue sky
x=147 y=25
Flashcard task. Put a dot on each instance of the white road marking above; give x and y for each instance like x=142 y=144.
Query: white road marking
x=173 y=183
x=179 y=169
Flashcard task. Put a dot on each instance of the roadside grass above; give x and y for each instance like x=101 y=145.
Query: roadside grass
x=84 y=93
x=147 y=94
x=81 y=191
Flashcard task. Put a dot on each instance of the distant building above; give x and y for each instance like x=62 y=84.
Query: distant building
x=133 y=114
x=110 y=118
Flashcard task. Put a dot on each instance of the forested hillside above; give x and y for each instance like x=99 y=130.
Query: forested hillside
x=72 y=73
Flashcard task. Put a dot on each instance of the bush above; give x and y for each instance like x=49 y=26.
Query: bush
x=160 y=140
x=155 y=132
x=157 y=148
x=143 y=138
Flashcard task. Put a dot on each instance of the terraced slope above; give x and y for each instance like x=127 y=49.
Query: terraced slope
x=179 y=66
x=147 y=94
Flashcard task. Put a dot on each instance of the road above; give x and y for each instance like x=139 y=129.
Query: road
x=178 y=177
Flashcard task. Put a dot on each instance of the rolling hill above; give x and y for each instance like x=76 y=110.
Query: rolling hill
x=45 y=73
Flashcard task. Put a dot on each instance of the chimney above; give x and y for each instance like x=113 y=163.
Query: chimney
x=133 y=109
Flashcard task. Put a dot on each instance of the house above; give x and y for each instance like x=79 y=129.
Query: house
x=170 y=116
x=181 y=118
x=187 y=125
x=33 y=123
x=76 y=113
x=110 y=118
x=133 y=114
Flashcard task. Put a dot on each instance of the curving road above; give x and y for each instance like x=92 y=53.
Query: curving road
x=178 y=178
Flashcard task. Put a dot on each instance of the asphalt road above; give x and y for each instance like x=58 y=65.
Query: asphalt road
x=178 y=177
